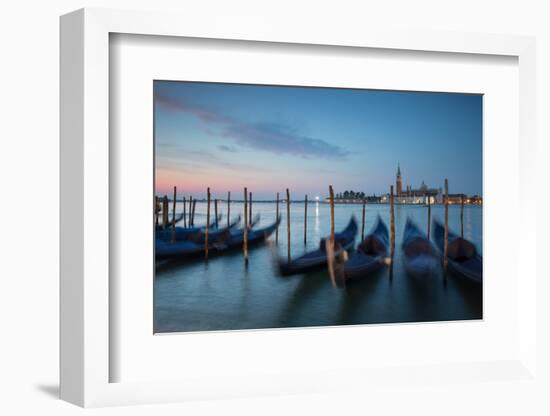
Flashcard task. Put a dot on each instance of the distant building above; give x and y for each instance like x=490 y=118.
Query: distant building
x=398 y=181
x=422 y=195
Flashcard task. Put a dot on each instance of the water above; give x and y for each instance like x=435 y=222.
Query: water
x=223 y=294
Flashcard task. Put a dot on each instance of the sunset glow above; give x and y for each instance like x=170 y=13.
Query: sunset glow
x=227 y=136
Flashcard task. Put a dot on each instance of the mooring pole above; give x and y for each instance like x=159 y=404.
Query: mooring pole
x=190 y=211
x=174 y=217
x=331 y=193
x=392 y=223
x=305 y=221
x=446 y=236
x=207 y=223
x=184 y=200
x=193 y=217
x=277 y=217
x=330 y=243
x=245 y=238
x=164 y=215
x=250 y=208
x=216 y=211
x=288 y=222
x=429 y=214
x=157 y=211
x=462 y=216
x=228 y=207
x=363 y=221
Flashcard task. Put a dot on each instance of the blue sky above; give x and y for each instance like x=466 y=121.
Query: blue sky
x=268 y=138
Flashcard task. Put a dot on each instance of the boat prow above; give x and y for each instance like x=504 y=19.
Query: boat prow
x=317 y=259
x=420 y=256
x=463 y=259
x=370 y=254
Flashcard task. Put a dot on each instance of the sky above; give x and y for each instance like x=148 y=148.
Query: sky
x=269 y=138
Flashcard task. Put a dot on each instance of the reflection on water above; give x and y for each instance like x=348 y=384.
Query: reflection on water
x=224 y=294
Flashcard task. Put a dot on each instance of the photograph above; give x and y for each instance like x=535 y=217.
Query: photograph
x=282 y=206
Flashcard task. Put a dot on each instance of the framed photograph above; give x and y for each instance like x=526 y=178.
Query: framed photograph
x=274 y=269
x=247 y=213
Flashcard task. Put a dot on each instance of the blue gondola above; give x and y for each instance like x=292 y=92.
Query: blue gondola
x=195 y=233
x=235 y=238
x=159 y=228
x=463 y=259
x=420 y=256
x=218 y=244
x=371 y=253
x=317 y=259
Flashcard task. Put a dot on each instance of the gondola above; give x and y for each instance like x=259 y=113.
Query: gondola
x=218 y=244
x=195 y=233
x=159 y=228
x=177 y=250
x=235 y=238
x=317 y=259
x=420 y=256
x=463 y=259
x=371 y=253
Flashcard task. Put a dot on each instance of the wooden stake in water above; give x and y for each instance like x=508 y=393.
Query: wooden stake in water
x=228 y=207
x=462 y=216
x=184 y=213
x=331 y=193
x=446 y=235
x=250 y=209
x=190 y=222
x=174 y=217
x=429 y=214
x=363 y=221
x=288 y=222
x=392 y=223
x=277 y=217
x=156 y=211
x=193 y=216
x=164 y=215
x=216 y=212
x=329 y=244
x=305 y=221
x=245 y=237
x=207 y=223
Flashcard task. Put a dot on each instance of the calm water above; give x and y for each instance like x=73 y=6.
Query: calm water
x=223 y=294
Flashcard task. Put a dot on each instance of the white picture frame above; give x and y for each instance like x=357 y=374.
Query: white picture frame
x=85 y=211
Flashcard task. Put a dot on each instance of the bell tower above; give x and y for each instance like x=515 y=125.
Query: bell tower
x=398 y=182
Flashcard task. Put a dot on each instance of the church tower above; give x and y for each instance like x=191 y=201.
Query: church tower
x=398 y=182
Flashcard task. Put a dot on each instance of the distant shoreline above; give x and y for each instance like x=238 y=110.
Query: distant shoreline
x=283 y=201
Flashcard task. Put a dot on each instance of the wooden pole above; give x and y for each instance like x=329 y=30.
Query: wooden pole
x=329 y=244
x=429 y=214
x=216 y=211
x=305 y=222
x=250 y=209
x=164 y=212
x=277 y=217
x=193 y=216
x=190 y=211
x=462 y=216
x=288 y=222
x=392 y=222
x=331 y=193
x=174 y=217
x=245 y=239
x=446 y=236
x=207 y=223
x=156 y=211
x=363 y=222
x=228 y=207
x=185 y=212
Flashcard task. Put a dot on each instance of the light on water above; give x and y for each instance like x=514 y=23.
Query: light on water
x=223 y=294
